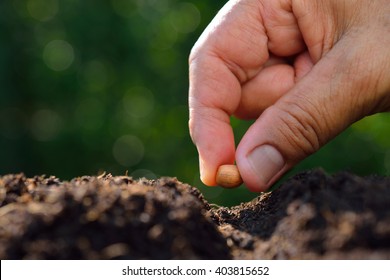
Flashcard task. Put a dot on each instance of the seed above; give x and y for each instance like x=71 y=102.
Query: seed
x=228 y=176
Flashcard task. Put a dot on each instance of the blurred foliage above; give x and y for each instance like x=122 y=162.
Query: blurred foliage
x=87 y=86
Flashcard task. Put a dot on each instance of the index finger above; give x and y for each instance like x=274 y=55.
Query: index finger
x=213 y=98
x=223 y=58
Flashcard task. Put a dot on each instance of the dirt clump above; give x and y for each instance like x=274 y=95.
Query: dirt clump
x=105 y=218
x=311 y=216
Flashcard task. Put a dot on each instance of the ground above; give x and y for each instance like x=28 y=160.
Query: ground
x=313 y=215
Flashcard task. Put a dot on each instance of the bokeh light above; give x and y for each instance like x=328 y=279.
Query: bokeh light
x=42 y=10
x=143 y=173
x=138 y=102
x=128 y=150
x=58 y=55
x=185 y=17
x=45 y=125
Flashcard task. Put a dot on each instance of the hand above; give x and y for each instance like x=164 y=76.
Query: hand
x=306 y=70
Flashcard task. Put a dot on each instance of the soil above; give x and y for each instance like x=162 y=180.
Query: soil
x=311 y=216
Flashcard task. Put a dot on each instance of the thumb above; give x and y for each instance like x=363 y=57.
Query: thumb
x=329 y=98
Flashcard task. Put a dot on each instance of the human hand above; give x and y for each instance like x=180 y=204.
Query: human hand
x=306 y=70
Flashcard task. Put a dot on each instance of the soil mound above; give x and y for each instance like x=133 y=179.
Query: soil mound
x=311 y=216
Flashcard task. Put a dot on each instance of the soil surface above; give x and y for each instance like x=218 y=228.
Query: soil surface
x=311 y=216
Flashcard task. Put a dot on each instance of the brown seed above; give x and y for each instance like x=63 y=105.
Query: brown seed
x=228 y=176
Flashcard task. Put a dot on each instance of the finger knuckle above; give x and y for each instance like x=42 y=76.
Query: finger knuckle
x=303 y=128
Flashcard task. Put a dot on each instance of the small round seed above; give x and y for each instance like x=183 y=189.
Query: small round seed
x=228 y=176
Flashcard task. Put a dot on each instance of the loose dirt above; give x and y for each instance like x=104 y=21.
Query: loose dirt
x=311 y=216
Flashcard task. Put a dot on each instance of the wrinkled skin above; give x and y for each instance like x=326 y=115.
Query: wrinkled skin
x=305 y=70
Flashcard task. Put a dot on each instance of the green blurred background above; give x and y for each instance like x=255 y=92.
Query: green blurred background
x=91 y=86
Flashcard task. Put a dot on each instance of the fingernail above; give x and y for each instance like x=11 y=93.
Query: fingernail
x=201 y=169
x=204 y=175
x=266 y=162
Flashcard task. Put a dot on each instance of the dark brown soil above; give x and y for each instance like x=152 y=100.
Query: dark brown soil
x=311 y=216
